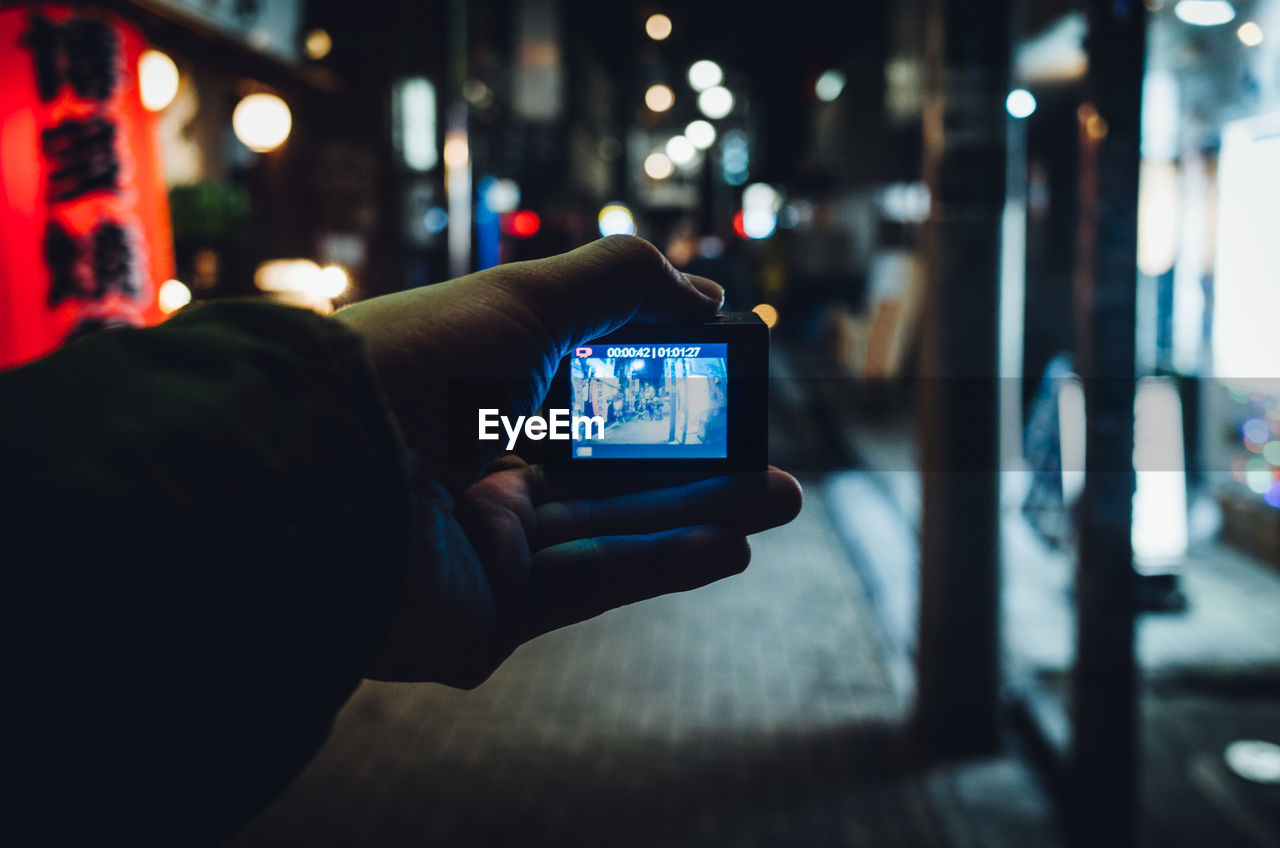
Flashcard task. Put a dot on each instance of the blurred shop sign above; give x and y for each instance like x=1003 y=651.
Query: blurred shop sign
x=1055 y=54
x=538 y=78
x=270 y=26
x=84 y=228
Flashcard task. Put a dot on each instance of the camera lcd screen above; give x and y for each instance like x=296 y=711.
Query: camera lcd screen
x=650 y=401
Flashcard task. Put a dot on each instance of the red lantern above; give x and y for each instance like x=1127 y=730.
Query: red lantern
x=84 y=226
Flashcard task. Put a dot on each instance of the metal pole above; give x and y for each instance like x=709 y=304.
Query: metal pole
x=958 y=669
x=1104 y=742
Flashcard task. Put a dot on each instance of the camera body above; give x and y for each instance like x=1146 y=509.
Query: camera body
x=692 y=396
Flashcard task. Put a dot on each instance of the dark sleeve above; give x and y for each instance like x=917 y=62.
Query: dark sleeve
x=206 y=527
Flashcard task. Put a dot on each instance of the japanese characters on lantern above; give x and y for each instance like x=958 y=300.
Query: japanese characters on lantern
x=85 y=240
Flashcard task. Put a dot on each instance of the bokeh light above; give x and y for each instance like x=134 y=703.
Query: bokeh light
x=1271 y=452
x=759 y=222
x=735 y=157
x=829 y=85
x=1272 y=496
x=768 y=314
x=1205 y=12
x=659 y=97
x=658 y=27
x=435 y=219
x=502 y=195
x=262 y=122
x=704 y=74
x=457 y=150
x=173 y=295
x=701 y=133
x=716 y=102
x=522 y=224
x=1020 y=103
x=616 y=219
x=761 y=194
x=711 y=247
x=1255 y=430
x=157 y=80
x=681 y=151
x=317 y=44
x=302 y=281
x=658 y=166
x=331 y=281
x=1257 y=476
x=1250 y=34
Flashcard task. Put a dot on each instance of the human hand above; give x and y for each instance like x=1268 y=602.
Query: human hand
x=501 y=555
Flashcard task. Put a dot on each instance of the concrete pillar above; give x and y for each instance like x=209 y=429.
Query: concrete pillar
x=958 y=669
x=1104 y=746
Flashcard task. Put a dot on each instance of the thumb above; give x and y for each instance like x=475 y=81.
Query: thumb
x=591 y=291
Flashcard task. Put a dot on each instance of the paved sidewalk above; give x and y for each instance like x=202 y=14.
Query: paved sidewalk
x=754 y=712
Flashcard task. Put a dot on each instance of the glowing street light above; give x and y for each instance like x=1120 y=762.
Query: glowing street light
x=716 y=102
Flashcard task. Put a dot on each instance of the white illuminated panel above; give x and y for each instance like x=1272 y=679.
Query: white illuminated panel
x=1071 y=439
x=1159 y=530
x=1160 y=499
x=1247 y=259
x=415 y=123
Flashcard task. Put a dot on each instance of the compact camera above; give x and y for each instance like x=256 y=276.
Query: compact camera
x=690 y=396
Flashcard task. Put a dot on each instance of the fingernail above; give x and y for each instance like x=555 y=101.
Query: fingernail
x=711 y=291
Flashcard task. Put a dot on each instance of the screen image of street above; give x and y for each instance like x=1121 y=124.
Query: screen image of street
x=657 y=401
